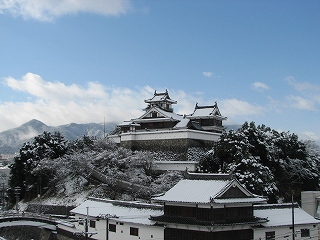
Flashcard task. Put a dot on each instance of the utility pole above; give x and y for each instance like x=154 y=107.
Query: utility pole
x=107 y=217
x=3 y=178
x=293 y=231
x=104 y=127
x=86 y=225
x=17 y=194
x=107 y=233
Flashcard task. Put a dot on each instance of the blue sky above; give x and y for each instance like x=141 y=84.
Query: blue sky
x=86 y=61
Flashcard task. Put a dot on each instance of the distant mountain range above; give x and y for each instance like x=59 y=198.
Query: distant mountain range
x=12 y=140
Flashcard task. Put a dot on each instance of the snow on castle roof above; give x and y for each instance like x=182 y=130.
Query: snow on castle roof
x=160 y=97
x=206 y=111
x=204 y=191
x=123 y=211
x=281 y=215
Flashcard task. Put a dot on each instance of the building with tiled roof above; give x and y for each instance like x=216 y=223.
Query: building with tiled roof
x=284 y=221
x=209 y=206
x=161 y=128
x=200 y=207
x=98 y=218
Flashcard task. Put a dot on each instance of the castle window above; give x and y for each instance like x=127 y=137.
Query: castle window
x=305 y=232
x=271 y=235
x=92 y=224
x=134 y=231
x=154 y=114
x=112 y=227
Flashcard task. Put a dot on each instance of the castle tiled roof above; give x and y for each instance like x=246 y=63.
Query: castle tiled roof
x=161 y=97
x=281 y=215
x=206 y=191
x=206 y=112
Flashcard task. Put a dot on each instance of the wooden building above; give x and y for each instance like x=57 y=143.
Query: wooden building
x=209 y=206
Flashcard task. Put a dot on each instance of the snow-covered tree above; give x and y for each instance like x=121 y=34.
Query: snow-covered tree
x=265 y=160
x=24 y=172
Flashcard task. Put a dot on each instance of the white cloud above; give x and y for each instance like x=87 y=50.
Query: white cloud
x=301 y=103
x=259 y=86
x=56 y=103
x=234 y=107
x=304 y=86
x=207 y=74
x=310 y=95
x=47 y=10
x=210 y=75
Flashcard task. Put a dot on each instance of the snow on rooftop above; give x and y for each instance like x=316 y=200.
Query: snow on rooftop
x=194 y=191
x=283 y=216
x=240 y=200
x=183 y=123
x=165 y=114
x=128 y=123
x=122 y=213
x=203 y=112
x=159 y=97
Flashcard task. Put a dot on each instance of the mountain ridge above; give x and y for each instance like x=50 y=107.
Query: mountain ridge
x=11 y=140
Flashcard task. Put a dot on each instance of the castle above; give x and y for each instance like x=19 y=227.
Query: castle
x=161 y=128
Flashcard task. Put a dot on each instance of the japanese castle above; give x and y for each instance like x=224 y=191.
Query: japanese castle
x=161 y=128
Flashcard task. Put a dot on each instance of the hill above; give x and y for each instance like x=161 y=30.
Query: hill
x=11 y=140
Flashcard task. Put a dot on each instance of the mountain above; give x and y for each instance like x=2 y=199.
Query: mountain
x=11 y=140
x=234 y=127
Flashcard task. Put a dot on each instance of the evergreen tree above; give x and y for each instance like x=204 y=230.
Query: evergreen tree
x=265 y=160
x=26 y=171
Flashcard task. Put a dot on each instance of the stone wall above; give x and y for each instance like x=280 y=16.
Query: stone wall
x=173 y=145
x=50 y=209
x=29 y=232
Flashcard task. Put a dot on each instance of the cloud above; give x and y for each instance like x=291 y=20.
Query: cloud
x=301 y=103
x=234 y=107
x=259 y=86
x=207 y=74
x=47 y=10
x=302 y=86
x=210 y=74
x=310 y=95
x=56 y=103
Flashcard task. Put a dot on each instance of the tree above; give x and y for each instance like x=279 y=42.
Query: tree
x=26 y=170
x=265 y=160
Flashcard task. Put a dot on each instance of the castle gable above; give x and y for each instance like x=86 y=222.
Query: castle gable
x=234 y=190
x=206 y=112
x=219 y=190
x=156 y=112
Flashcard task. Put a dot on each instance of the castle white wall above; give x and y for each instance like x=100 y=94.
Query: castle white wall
x=175 y=166
x=146 y=232
x=309 y=202
x=285 y=232
x=169 y=134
